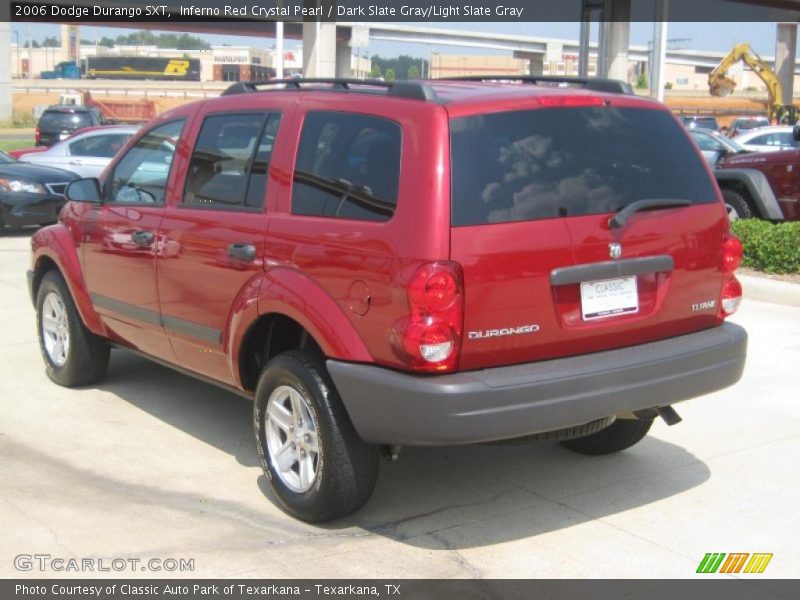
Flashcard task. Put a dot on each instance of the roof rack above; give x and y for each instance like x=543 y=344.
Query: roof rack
x=414 y=90
x=613 y=86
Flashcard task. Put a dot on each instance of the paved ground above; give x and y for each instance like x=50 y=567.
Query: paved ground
x=154 y=464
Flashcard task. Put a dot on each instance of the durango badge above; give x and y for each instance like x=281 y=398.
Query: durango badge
x=489 y=333
x=615 y=250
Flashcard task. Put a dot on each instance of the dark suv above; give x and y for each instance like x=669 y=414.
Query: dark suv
x=59 y=122
x=379 y=264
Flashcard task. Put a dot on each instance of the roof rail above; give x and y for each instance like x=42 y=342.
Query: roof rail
x=613 y=86
x=414 y=90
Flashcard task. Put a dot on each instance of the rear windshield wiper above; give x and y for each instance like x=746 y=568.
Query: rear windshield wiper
x=621 y=217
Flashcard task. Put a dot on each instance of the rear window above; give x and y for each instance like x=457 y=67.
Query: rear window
x=64 y=120
x=750 y=124
x=701 y=122
x=562 y=162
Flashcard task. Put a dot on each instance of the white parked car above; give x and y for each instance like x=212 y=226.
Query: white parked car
x=87 y=152
x=768 y=139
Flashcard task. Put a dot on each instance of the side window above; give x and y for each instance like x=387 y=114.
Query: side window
x=260 y=167
x=348 y=167
x=141 y=176
x=100 y=146
x=230 y=161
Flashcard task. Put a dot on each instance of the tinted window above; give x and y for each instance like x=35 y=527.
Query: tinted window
x=701 y=122
x=100 y=146
x=348 y=167
x=220 y=168
x=783 y=139
x=51 y=120
x=260 y=166
x=706 y=142
x=142 y=174
x=744 y=124
x=548 y=163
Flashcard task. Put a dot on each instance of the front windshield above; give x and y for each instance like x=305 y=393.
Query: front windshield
x=733 y=145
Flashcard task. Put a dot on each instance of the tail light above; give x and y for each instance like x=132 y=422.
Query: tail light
x=429 y=338
x=731 y=296
x=36 y=136
x=732 y=253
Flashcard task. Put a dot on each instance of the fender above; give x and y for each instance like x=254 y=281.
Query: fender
x=56 y=243
x=757 y=185
x=294 y=295
x=243 y=314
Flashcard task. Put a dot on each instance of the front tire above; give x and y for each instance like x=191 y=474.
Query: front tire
x=620 y=435
x=317 y=466
x=73 y=355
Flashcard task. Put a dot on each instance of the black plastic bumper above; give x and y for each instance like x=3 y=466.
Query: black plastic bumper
x=389 y=407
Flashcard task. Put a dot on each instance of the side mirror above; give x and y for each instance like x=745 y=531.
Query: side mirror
x=84 y=190
x=796 y=132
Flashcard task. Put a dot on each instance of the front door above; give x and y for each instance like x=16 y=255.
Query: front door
x=121 y=242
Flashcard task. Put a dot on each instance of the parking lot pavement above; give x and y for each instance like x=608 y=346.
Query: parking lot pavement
x=153 y=464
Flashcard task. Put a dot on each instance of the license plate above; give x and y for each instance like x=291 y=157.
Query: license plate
x=609 y=297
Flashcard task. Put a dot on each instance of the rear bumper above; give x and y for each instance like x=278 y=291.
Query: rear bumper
x=389 y=407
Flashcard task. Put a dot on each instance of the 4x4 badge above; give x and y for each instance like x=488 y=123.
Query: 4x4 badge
x=615 y=250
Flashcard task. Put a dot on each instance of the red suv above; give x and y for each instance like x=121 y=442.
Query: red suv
x=385 y=264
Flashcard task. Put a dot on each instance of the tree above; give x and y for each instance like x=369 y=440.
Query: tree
x=642 y=82
x=375 y=73
x=106 y=41
x=390 y=75
x=413 y=72
x=51 y=42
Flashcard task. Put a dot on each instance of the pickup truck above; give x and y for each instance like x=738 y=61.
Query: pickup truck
x=761 y=184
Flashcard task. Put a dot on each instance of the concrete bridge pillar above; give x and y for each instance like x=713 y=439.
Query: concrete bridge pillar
x=615 y=39
x=319 y=49
x=785 y=51
x=6 y=102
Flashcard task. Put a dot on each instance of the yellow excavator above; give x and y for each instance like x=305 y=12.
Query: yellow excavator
x=719 y=84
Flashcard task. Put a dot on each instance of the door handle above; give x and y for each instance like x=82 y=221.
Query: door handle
x=243 y=252
x=143 y=238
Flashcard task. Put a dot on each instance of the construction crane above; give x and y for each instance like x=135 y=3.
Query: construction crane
x=719 y=84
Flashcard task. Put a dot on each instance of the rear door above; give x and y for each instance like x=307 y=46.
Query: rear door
x=545 y=273
x=211 y=243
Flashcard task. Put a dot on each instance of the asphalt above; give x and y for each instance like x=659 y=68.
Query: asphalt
x=152 y=464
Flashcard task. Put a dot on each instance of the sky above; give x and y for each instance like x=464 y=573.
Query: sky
x=719 y=37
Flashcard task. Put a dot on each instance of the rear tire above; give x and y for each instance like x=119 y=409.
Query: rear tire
x=317 y=466
x=73 y=355
x=620 y=435
x=736 y=205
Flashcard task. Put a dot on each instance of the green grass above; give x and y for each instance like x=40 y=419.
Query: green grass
x=7 y=145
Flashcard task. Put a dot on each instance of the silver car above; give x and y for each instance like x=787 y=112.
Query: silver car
x=768 y=139
x=715 y=147
x=85 y=153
